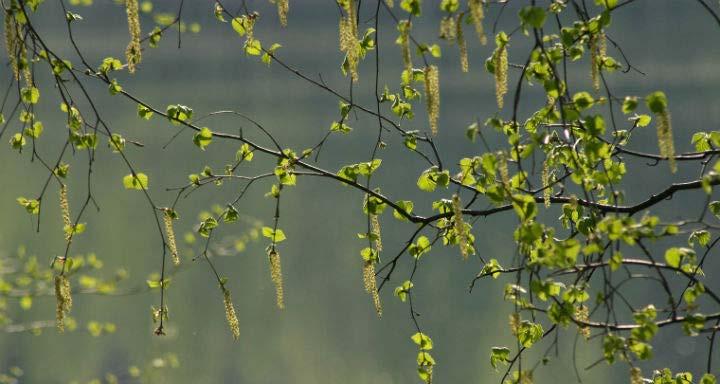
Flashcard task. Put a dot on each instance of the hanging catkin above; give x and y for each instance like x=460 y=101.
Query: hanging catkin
x=598 y=51
x=133 y=52
x=65 y=209
x=459 y=225
x=348 y=38
x=501 y=68
x=170 y=232
x=448 y=29
x=282 y=7
x=371 y=284
x=478 y=15
x=11 y=43
x=230 y=315
x=432 y=96
x=403 y=40
x=277 y=277
x=375 y=230
x=63 y=299
x=665 y=138
x=462 y=44
x=547 y=188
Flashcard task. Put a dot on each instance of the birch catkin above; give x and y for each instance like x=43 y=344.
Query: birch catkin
x=459 y=225
x=133 y=52
x=371 y=284
x=170 y=232
x=547 y=188
x=11 y=43
x=598 y=50
x=282 y=7
x=375 y=230
x=432 y=96
x=462 y=45
x=63 y=299
x=277 y=278
x=65 y=209
x=403 y=40
x=501 y=69
x=230 y=315
x=478 y=15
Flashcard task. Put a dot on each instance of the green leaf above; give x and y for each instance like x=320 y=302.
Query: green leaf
x=138 y=182
x=203 y=138
x=30 y=95
x=656 y=102
x=423 y=341
x=276 y=236
x=144 y=112
x=533 y=16
x=32 y=206
x=405 y=205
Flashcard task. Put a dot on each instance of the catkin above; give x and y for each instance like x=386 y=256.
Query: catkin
x=447 y=28
x=459 y=225
x=462 y=45
x=598 y=50
x=478 y=15
x=514 y=322
x=65 y=209
x=547 y=188
x=375 y=228
x=230 y=315
x=404 y=42
x=133 y=52
x=282 y=9
x=504 y=171
x=371 y=284
x=63 y=298
x=277 y=278
x=432 y=96
x=170 y=232
x=11 y=43
x=349 y=39
x=501 y=69
x=582 y=314
x=636 y=376
x=665 y=138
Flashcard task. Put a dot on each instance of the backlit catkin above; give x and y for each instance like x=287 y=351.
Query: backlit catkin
x=375 y=230
x=459 y=225
x=11 y=43
x=282 y=8
x=403 y=40
x=462 y=45
x=665 y=138
x=448 y=29
x=501 y=72
x=504 y=171
x=598 y=51
x=371 y=284
x=133 y=52
x=348 y=38
x=547 y=188
x=432 y=96
x=63 y=298
x=277 y=278
x=170 y=232
x=65 y=209
x=230 y=315
x=478 y=15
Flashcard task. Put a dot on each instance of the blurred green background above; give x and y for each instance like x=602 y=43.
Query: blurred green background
x=329 y=332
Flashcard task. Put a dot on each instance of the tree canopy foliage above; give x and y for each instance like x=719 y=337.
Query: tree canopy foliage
x=567 y=156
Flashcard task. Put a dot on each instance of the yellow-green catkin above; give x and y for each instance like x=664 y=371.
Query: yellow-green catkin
x=432 y=96
x=501 y=74
x=65 y=209
x=170 y=232
x=371 y=284
x=504 y=171
x=230 y=315
x=459 y=225
x=665 y=138
x=282 y=8
x=349 y=38
x=598 y=51
x=636 y=376
x=547 y=188
x=63 y=298
x=462 y=45
x=133 y=52
x=514 y=323
x=478 y=15
x=448 y=29
x=582 y=314
x=277 y=277
x=11 y=43
x=403 y=40
x=375 y=228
